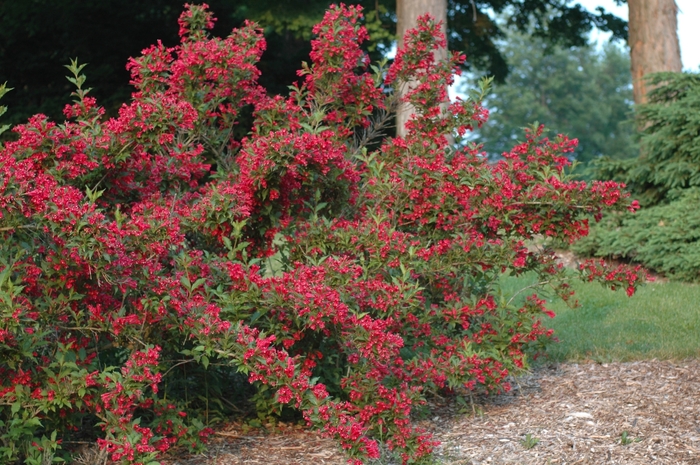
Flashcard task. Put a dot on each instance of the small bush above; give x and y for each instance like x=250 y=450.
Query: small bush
x=665 y=238
x=665 y=178
x=145 y=252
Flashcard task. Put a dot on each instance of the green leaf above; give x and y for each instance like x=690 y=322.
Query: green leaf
x=198 y=283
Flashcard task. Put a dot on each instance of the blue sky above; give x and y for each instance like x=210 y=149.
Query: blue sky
x=688 y=30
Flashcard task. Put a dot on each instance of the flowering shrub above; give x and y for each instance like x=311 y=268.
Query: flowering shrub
x=345 y=282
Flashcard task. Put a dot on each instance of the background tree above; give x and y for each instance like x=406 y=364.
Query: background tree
x=583 y=92
x=653 y=41
x=472 y=23
x=38 y=38
x=407 y=14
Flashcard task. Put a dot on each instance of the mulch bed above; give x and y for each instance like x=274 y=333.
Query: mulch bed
x=576 y=414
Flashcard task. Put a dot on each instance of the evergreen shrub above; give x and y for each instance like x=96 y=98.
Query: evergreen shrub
x=663 y=234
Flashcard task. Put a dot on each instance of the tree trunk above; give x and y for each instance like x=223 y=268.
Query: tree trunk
x=407 y=13
x=653 y=41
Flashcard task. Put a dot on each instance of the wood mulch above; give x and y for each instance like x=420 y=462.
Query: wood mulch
x=616 y=413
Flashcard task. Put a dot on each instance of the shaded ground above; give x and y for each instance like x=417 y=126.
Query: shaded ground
x=573 y=414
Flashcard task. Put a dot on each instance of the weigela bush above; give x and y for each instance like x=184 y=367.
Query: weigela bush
x=348 y=274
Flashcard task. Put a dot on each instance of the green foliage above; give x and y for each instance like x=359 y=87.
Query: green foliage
x=664 y=235
x=626 y=440
x=582 y=92
x=529 y=441
x=3 y=90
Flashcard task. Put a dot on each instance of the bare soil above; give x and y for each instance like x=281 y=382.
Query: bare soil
x=617 y=413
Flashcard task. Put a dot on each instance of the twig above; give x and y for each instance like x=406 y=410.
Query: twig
x=234 y=406
x=237 y=436
x=23 y=226
x=525 y=289
x=182 y=362
x=376 y=128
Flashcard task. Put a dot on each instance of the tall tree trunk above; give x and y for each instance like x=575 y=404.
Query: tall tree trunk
x=653 y=41
x=407 y=13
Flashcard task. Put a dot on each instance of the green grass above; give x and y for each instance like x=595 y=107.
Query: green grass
x=662 y=320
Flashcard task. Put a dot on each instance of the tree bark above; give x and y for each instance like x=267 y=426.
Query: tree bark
x=407 y=13
x=653 y=41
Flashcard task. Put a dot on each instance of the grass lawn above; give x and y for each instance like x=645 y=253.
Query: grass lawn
x=662 y=320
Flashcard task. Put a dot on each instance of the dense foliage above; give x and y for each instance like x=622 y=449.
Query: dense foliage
x=665 y=178
x=581 y=91
x=40 y=36
x=345 y=282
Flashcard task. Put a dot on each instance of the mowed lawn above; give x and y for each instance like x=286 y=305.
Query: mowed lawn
x=662 y=320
